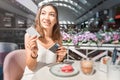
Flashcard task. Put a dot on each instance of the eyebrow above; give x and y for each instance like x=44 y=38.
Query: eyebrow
x=53 y=12
x=49 y=12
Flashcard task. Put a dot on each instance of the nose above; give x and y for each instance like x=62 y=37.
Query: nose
x=46 y=16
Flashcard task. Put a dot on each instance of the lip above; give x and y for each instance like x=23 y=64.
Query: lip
x=46 y=23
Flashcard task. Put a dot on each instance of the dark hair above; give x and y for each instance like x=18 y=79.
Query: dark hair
x=56 y=29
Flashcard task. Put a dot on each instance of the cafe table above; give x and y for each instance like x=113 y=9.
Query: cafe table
x=44 y=73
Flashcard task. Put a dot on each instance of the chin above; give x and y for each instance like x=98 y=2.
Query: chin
x=46 y=26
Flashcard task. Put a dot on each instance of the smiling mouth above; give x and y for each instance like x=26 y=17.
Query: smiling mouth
x=46 y=23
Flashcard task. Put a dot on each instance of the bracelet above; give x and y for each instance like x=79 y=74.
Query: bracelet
x=34 y=57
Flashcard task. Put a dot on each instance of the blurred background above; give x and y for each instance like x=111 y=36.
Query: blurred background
x=76 y=17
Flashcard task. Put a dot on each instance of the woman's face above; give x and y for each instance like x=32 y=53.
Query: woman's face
x=48 y=17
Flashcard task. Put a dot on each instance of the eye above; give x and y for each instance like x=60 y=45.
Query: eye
x=52 y=14
x=42 y=13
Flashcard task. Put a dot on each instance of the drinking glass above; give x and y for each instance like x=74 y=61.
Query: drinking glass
x=87 y=66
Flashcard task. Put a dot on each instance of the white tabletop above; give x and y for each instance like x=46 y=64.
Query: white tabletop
x=45 y=74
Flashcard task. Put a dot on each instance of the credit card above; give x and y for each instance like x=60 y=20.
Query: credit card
x=54 y=47
x=32 y=32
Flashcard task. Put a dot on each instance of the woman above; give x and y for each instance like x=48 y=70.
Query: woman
x=37 y=48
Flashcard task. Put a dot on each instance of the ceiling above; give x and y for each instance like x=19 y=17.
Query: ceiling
x=77 y=11
x=71 y=11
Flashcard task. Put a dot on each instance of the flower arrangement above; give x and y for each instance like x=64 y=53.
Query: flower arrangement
x=87 y=37
x=111 y=37
x=84 y=38
x=66 y=37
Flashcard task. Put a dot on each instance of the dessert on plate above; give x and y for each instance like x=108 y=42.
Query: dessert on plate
x=67 y=68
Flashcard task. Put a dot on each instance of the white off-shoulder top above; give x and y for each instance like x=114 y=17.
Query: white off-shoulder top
x=45 y=56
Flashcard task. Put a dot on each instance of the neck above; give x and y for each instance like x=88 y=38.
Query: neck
x=48 y=33
x=47 y=40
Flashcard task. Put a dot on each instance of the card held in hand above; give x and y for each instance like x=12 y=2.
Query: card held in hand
x=32 y=32
x=54 y=48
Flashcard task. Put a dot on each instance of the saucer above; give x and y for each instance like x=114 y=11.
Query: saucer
x=56 y=70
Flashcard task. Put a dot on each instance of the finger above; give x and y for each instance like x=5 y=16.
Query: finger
x=33 y=46
x=33 y=38
x=61 y=54
x=61 y=50
x=31 y=42
x=28 y=46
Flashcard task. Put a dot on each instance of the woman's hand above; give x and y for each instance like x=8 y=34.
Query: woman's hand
x=32 y=45
x=31 y=51
x=61 y=52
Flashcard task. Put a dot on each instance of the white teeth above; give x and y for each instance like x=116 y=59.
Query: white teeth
x=47 y=23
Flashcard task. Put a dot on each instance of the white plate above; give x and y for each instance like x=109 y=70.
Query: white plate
x=56 y=70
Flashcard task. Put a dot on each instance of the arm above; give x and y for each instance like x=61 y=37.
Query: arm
x=31 y=51
x=61 y=52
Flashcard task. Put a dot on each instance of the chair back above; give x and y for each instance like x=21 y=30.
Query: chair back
x=14 y=65
x=5 y=48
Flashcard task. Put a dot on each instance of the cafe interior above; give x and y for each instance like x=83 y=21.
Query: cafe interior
x=90 y=29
